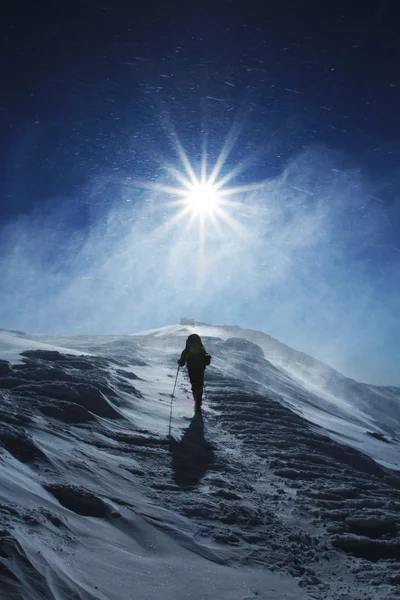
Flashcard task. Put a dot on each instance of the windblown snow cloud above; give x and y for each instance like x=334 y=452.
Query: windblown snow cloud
x=311 y=264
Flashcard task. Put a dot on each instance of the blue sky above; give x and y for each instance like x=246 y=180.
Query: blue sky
x=310 y=256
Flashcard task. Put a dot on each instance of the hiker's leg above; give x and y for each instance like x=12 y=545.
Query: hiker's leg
x=197 y=382
x=198 y=398
x=198 y=387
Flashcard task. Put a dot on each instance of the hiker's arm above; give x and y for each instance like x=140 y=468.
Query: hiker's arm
x=182 y=360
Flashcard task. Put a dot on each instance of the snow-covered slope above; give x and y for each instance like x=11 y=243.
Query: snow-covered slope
x=286 y=488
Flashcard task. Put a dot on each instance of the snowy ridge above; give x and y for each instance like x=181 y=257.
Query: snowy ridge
x=267 y=496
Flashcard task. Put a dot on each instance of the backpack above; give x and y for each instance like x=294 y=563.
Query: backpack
x=195 y=349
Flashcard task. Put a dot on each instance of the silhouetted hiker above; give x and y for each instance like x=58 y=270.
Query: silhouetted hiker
x=196 y=358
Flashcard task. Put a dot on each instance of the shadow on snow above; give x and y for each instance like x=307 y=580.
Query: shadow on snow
x=192 y=456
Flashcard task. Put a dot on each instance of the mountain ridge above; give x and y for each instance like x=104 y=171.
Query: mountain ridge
x=253 y=499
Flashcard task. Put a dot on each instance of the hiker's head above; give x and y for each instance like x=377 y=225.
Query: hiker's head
x=194 y=341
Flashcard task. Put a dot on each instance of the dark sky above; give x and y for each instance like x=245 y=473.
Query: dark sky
x=81 y=81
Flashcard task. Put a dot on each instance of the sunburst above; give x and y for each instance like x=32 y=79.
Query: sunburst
x=205 y=198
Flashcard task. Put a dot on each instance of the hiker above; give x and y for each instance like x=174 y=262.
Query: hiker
x=196 y=358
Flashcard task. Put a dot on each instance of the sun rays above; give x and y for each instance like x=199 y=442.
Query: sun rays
x=199 y=213
x=202 y=196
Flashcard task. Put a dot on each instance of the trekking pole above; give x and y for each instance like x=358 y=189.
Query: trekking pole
x=172 y=397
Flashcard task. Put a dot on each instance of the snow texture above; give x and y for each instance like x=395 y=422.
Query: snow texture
x=287 y=487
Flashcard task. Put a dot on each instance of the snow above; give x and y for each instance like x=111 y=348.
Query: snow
x=13 y=343
x=287 y=487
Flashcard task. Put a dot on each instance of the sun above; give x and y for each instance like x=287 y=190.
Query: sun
x=202 y=198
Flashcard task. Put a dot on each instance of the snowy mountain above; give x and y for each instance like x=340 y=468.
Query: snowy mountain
x=288 y=486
